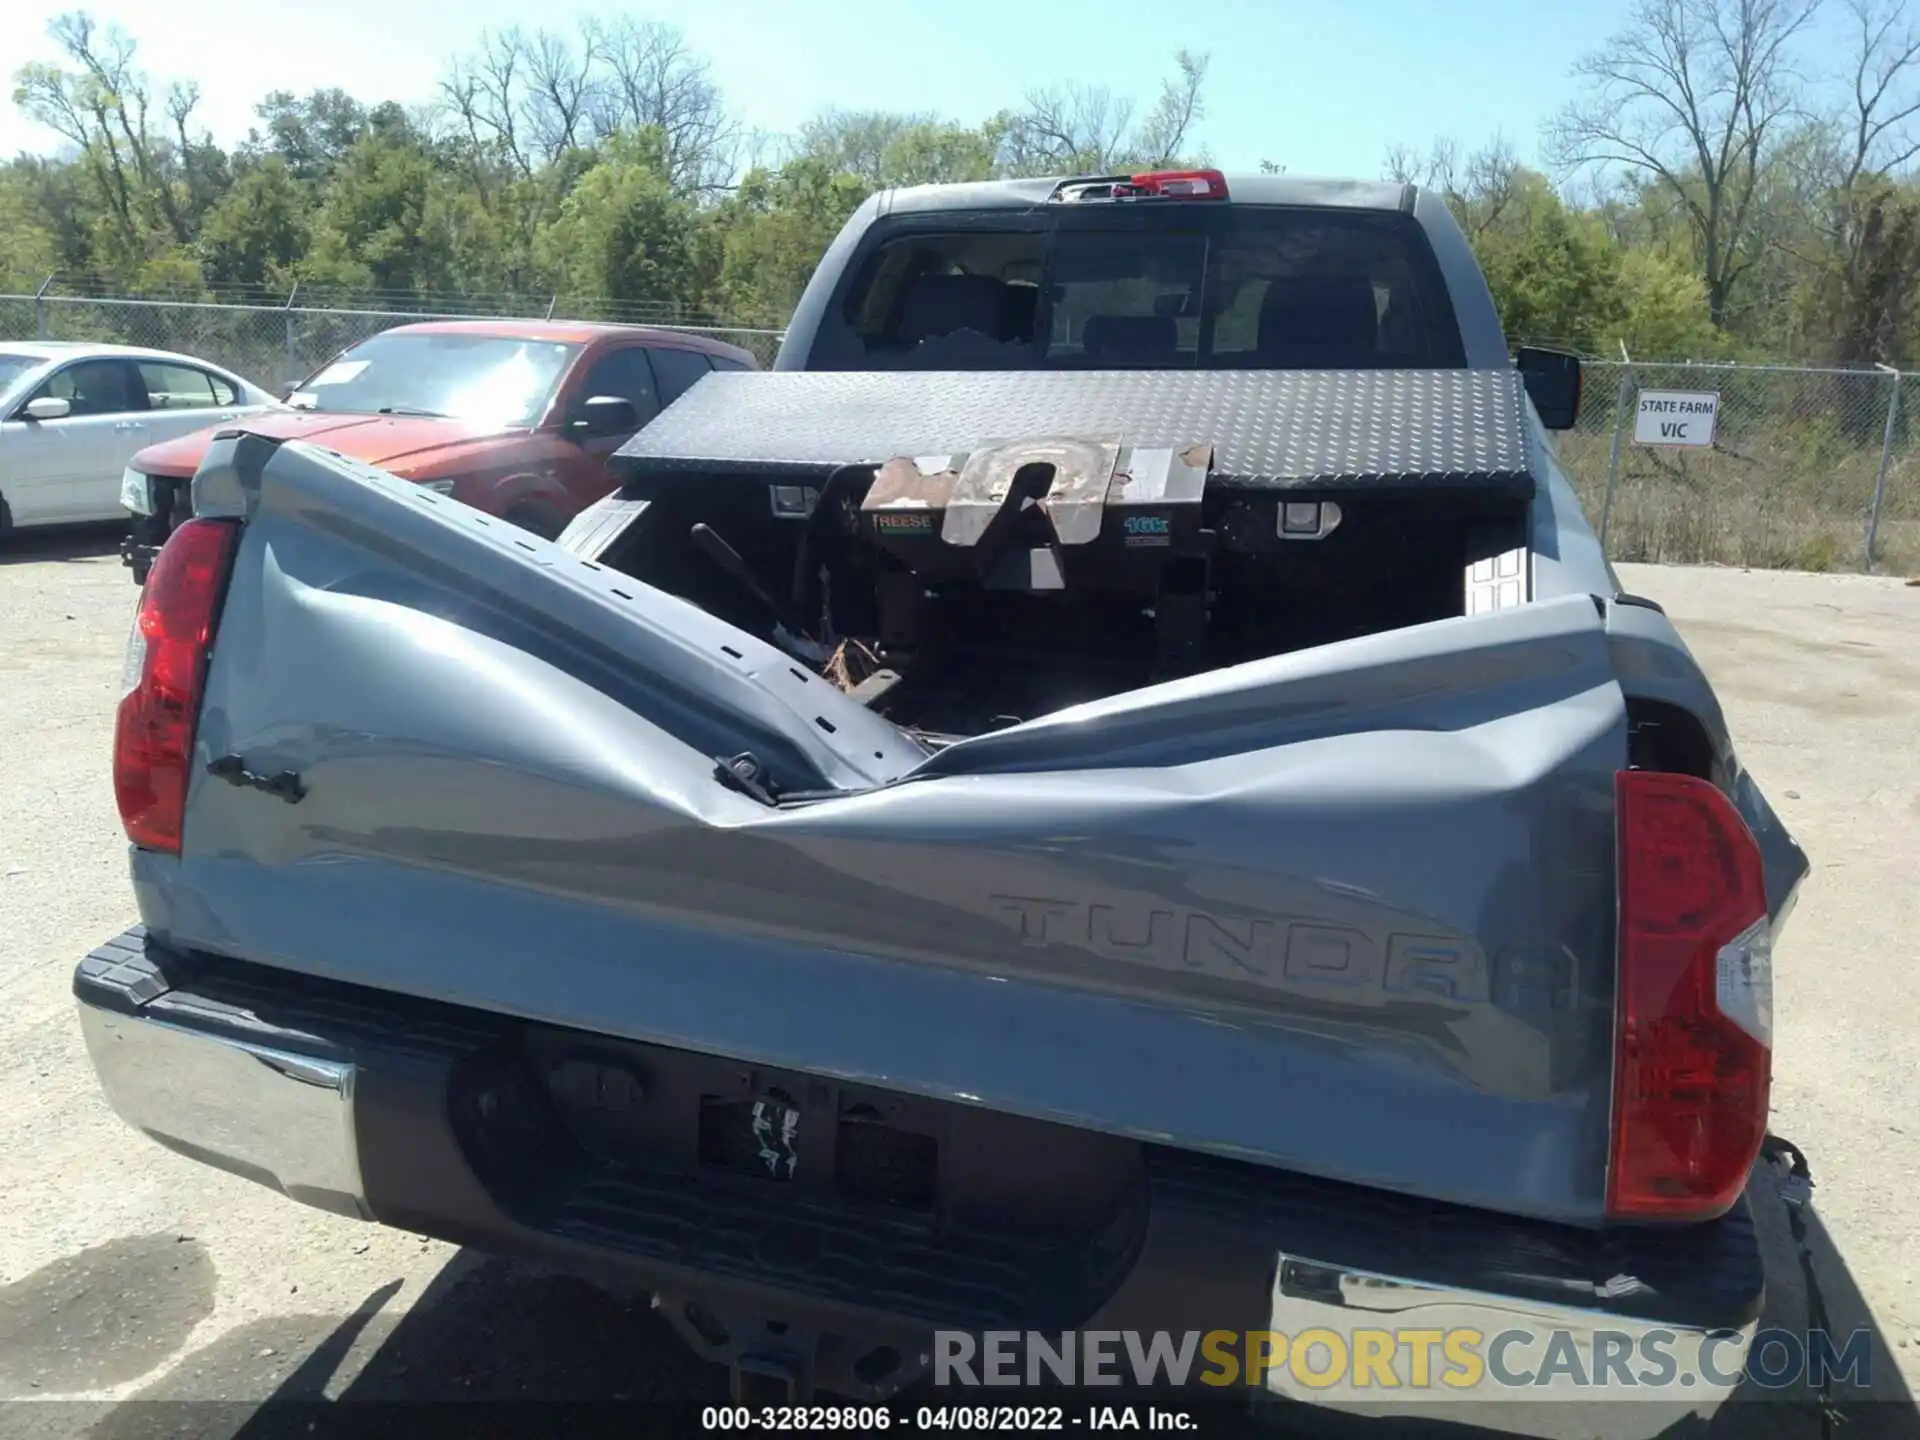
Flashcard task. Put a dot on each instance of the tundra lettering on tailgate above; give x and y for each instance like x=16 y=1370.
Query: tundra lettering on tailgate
x=1284 y=953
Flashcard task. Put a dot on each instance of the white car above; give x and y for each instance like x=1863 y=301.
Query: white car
x=72 y=416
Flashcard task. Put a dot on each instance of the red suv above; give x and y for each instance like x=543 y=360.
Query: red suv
x=514 y=417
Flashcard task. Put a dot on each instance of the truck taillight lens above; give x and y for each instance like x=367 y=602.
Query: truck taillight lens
x=1183 y=184
x=1694 y=1060
x=166 y=667
x=1148 y=185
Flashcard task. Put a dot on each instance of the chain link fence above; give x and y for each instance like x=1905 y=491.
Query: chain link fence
x=275 y=345
x=1809 y=469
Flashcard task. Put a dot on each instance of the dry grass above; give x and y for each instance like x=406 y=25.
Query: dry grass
x=1791 y=497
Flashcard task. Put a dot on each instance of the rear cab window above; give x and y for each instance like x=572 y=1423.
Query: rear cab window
x=1170 y=286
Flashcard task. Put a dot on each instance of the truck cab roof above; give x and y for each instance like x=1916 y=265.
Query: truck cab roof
x=1244 y=189
x=1176 y=270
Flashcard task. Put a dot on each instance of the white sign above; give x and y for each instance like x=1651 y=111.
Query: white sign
x=340 y=372
x=1676 y=417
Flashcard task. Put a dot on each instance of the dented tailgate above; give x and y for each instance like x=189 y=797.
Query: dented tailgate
x=1348 y=911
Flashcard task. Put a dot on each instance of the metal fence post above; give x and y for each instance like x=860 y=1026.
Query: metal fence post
x=290 y=375
x=40 y=307
x=1613 y=459
x=1886 y=463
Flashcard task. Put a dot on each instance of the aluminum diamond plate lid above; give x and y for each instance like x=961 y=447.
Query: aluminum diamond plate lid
x=1295 y=428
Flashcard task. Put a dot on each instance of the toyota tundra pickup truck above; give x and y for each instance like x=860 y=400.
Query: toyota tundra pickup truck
x=1112 y=790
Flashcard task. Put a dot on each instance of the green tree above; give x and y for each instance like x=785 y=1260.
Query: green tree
x=259 y=231
x=144 y=190
x=1775 y=219
x=773 y=233
x=310 y=134
x=622 y=231
x=1554 y=273
x=30 y=239
x=885 y=149
x=1664 y=310
x=379 y=227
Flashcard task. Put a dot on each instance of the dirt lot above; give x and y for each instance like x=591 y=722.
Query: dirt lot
x=127 y=1273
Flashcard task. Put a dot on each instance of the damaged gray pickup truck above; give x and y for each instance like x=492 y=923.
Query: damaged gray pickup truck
x=1114 y=789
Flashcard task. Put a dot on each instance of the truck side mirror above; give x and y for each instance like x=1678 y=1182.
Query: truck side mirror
x=606 y=415
x=1552 y=378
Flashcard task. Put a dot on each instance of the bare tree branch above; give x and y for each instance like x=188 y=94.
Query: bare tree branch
x=1073 y=128
x=1479 y=188
x=857 y=142
x=1866 y=253
x=460 y=92
x=1163 y=136
x=1692 y=96
x=1087 y=129
x=492 y=80
x=1885 y=99
x=560 y=82
x=102 y=107
x=1404 y=165
x=183 y=98
x=651 y=78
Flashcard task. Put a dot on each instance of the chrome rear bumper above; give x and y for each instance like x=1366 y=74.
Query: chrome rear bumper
x=284 y=1120
x=211 y=1079
x=1514 y=1366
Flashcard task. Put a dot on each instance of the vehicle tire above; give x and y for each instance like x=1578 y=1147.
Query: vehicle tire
x=536 y=520
x=6 y=518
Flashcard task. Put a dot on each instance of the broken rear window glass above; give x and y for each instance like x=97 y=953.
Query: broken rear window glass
x=1240 y=288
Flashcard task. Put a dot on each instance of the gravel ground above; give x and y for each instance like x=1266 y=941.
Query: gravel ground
x=128 y=1274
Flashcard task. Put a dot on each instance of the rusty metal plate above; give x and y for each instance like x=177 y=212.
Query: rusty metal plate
x=1068 y=479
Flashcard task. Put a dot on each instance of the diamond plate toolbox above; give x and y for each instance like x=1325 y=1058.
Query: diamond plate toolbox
x=1293 y=429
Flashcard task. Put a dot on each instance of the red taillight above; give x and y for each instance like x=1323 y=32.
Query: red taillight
x=166 y=668
x=1183 y=184
x=1694 y=1059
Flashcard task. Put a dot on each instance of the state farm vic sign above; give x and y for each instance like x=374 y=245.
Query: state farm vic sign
x=1676 y=417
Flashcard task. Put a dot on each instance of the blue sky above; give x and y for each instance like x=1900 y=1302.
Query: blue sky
x=1321 y=88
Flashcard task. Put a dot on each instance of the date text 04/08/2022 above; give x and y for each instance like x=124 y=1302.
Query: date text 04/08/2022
x=975 y=1419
